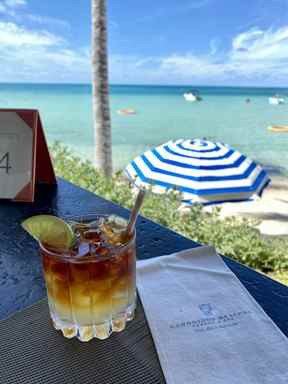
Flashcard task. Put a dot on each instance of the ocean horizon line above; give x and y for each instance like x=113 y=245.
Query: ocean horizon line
x=148 y=85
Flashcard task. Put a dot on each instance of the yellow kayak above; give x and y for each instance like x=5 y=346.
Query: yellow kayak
x=126 y=111
x=278 y=128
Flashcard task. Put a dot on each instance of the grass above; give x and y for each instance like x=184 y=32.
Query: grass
x=282 y=277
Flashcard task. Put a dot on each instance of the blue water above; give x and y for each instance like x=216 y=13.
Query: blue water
x=162 y=114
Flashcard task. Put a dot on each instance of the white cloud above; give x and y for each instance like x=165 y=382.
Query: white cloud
x=190 y=65
x=8 y=7
x=33 y=54
x=257 y=44
x=256 y=56
x=16 y=10
x=27 y=55
x=42 y=64
x=245 y=39
x=15 y=3
x=13 y=35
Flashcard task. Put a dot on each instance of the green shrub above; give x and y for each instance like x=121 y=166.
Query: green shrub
x=234 y=237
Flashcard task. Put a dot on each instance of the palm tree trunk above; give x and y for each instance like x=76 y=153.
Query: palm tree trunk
x=100 y=88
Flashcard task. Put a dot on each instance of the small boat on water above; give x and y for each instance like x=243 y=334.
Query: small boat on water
x=278 y=128
x=126 y=111
x=192 y=95
x=276 y=100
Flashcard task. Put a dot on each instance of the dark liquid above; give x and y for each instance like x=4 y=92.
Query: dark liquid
x=93 y=284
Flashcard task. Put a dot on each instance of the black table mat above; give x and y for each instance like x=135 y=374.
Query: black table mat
x=31 y=351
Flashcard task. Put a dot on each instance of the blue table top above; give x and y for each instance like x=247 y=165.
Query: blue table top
x=21 y=282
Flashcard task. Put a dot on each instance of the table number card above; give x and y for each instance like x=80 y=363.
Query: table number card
x=24 y=155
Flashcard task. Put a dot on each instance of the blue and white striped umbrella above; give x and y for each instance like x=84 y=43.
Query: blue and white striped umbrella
x=203 y=171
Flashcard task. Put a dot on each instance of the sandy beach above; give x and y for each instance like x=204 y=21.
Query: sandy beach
x=271 y=209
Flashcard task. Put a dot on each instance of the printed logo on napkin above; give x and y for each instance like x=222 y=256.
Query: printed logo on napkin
x=207 y=309
x=209 y=317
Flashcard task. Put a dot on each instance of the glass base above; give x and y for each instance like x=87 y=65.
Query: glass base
x=99 y=331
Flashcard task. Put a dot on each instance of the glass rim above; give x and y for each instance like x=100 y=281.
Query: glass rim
x=64 y=254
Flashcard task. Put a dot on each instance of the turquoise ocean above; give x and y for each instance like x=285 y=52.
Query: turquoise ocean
x=161 y=114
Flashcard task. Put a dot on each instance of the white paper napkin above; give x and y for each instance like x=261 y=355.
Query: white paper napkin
x=206 y=327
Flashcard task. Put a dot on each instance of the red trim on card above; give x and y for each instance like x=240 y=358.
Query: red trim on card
x=26 y=194
x=44 y=168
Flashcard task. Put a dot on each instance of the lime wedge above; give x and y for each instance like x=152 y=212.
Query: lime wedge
x=50 y=230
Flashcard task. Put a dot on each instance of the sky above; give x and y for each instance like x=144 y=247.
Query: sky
x=201 y=42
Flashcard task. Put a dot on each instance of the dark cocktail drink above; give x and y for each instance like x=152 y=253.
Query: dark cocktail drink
x=91 y=287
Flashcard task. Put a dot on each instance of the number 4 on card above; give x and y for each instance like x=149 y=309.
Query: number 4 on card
x=5 y=163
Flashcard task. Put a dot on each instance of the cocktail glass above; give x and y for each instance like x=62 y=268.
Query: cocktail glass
x=91 y=288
